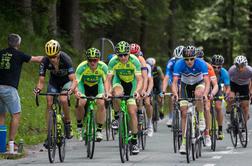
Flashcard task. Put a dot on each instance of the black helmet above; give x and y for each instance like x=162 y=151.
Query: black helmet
x=217 y=60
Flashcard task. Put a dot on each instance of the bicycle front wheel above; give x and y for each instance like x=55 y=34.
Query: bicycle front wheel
x=122 y=139
x=243 y=130
x=91 y=137
x=108 y=121
x=213 y=129
x=62 y=142
x=188 y=138
x=175 y=129
x=234 y=126
x=52 y=136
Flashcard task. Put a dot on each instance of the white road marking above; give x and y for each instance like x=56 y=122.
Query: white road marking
x=209 y=165
x=216 y=157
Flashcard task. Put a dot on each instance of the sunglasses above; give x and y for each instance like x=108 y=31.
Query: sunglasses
x=52 y=57
x=189 y=59
x=217 y=67
x=121 y=55
x=93 y=60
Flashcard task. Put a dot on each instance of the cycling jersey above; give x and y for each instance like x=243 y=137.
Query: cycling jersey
x=58 y=77
x=149 y=72
x=211 y=72
x=125 y=71
x=142 y=62
x=88 y=78
x=169 y=69
x=240 y=78
x=223 y=77
x=191 y=75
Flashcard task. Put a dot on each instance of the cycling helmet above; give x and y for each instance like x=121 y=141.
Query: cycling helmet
x=135 y=49
x=151 y=61
x=140 y=53
x=52 y=48
x=189 y=51
x=122 y=47
x=93 y=53
x=217 y=60
x=241 y=60
x=178 y=52
x=199 y=53
x=110 y=56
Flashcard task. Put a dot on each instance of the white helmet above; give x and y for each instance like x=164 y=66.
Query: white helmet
x=151 y=61
x=178 y=52
x=241 y=60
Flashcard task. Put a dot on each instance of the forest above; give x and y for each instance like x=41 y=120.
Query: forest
x=219 y=26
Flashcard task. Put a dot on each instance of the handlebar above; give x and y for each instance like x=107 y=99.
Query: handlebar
x=52 y=94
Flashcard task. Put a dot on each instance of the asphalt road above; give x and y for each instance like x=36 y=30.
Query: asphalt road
x=159 y=152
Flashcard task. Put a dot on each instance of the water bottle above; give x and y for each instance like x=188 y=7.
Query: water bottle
x=3 y=130
x=20 y=146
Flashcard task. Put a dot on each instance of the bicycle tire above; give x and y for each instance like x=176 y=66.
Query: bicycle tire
x=234 y=127
x=62 y=143
x=144 y=129
x=52 y=136
x=175 y=129
x=155 y=114
x=242 y=126
x=108 y=121
x=188 y=137
x=213 y=129
x=92 y=135
x=122 y=141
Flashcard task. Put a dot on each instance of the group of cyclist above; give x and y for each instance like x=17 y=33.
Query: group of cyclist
x=129 y=74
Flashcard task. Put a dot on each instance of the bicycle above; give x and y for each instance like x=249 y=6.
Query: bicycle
x=192 y=133
x=89 y=123
x=142 y=128
x=124 y=133
x=56 y=137
x=214 y=130
x=176 y=125
x=109 y=118
x=238 y=125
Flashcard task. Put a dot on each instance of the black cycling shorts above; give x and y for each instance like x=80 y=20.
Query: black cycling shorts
x=91 y=90
x=243 y=90
x=187 y=91
x=127 y=87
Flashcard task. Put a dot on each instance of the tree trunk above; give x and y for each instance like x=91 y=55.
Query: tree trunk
x=231 y=39
x=70 y=21
x=52 y=14
x=249 y=49
x=143 y=31
x=27 y=15
x=171 y=28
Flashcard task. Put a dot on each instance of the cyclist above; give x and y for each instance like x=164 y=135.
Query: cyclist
x=158 y=77
x=194 y=83
x=125 y=69
x=240 y=82
x=177 y=54
x=214 y=84
x=91 y=75
x=146 y=90
x=223 y=78
x=62 y=80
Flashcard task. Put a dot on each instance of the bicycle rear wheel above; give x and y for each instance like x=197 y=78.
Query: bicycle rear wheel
x=122 y=139
x=234 y=126
x=213 y=129
x=188 y=138
x=143 y=134
x=155 y=116
x=52 y=136
x=62 y=143
x=243 y=130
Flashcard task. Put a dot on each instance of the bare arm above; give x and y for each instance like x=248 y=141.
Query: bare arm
x=150 y=85
x=165 y=83
x=72 y=78
x=175 y=86
x=144 y=80
x=41 y=82
x=207 y=85
x=139 y=80
x=37 y=59
x=107 y=83
x=215 y=87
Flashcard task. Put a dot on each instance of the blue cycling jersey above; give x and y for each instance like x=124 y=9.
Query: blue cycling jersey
x=191 y=75
x=223 y=77
x=170 y=68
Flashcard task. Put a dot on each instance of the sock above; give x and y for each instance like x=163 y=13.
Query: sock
x=149 y=122
x=201 y=115
x=220 y=128
x=116 y=115
x=99 y=127
x=79 y=124
x=134 y=139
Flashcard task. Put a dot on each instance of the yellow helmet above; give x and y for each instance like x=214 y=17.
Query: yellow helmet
x=52 y=48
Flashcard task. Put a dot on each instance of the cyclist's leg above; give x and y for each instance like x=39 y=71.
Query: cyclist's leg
x=100 y=117
x=199 y=90
x=219 y=114
x=170 y=112
x=149 y=112
x=244 y=91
